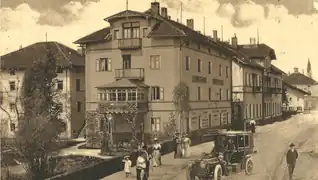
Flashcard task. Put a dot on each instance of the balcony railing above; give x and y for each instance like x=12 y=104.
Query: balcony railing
x=131 y=43
x=123 y=107
x=133 y=73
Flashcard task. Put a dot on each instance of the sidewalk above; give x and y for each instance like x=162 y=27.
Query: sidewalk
x=170 y=166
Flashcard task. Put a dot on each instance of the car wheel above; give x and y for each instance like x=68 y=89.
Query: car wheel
x=218 y=172
x=249 y=165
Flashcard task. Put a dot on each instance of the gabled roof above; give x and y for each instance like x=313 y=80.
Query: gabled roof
x=165 y=29
x=123 y=83
x=295 y=88
x=126 y=13
x=258 y=51
x=299 y=79
x=97 y=36
x=25 y=57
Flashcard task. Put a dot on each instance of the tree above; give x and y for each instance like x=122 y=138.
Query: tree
x=181 y=102
x=39 y=122
x=171 y=127
x=309 y=71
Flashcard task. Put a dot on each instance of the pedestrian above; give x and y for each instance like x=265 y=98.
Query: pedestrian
x=291 y=158
x=186 y=146
x=252 y=126
x=127 y=165
x=140 y=166
x=156 y=153
x=177 y=146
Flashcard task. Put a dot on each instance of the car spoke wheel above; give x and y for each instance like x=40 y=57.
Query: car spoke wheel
x=218 y=172
x=249 y=165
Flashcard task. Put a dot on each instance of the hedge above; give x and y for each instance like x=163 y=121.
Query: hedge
x=113 y=165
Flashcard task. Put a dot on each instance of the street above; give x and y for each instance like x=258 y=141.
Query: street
x=272 y=141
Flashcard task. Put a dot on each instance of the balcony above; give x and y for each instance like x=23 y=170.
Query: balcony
x=138 y=106
x=133 y=73
x=131 y=43
x=256 y=89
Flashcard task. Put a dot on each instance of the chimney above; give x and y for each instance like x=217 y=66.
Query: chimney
x=288 y=73
x=296 y=70
x=234 y=41
x=215 y=35
x=252 y=41
x=303 y=71
x=20 y=47
x=155 y=7
x=164 y=12
x=169 y=17
x=190 y=23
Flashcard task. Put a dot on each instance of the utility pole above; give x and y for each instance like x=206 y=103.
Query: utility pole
x=222 y=33
x=181 y=13
x=204 y=25
x=46 y=37
x=126 y=5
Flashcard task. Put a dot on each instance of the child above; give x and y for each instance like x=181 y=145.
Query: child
x=127 y=165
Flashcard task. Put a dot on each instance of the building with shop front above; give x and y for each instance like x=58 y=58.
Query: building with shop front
x=70 y=83
x=137 y=63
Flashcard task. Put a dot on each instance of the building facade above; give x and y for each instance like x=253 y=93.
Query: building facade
x=295 y=98
x=70 y=82
x=271 y=80
x=247 y=85
x=143 y=58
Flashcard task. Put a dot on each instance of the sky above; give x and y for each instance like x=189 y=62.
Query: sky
x=288 y=26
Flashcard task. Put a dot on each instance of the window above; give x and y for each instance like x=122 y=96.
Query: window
x=78 y=84
x=103 y=64
x=210 y=67
x=12 y=107
x=210 y=94
x=199 y=93
x=187 y=63
x=126 y=61
x=79 y=106
x=131 y=30
x=227 y=94
x=155 y=124
x=250 y=110
x=12 y=127
x=12 y=72
x=59 y=70
x=121 y=95
x=145 y=32
x=155 y=62
x=199 y=65
x=220 y=70
x=257 y=115
x=116 y=34
x=157 y=93
x=246 y=79
x=198 y=46
x=12 y=85
x=227 y=71
x=60 y=84
x=220 y=93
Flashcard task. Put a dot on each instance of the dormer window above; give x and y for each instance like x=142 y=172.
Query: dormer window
x=131 y=30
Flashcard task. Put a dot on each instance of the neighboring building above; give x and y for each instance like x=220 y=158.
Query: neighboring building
x=300 y=80
x=141 y=58
x=271 y=79
x=295 y=97
x=247 y=84
x=70 y=80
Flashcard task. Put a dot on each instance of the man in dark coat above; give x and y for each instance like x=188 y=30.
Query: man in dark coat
x=291 y=157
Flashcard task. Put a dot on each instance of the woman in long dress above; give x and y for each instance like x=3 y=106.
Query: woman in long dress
x=156 y=153
x=178 y=146
x=186 y=145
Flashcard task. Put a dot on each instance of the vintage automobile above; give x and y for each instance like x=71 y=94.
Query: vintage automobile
x=213 y=165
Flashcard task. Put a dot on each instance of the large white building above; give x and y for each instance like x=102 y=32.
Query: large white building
x=71 y=83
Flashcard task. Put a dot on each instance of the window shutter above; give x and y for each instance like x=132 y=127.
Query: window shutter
x=97 y=65
x=109 y=61
x=161 y=93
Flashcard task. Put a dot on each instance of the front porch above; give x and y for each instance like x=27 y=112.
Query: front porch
x=124 y=104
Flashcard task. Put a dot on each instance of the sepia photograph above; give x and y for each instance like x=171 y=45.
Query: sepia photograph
x=159 y=89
